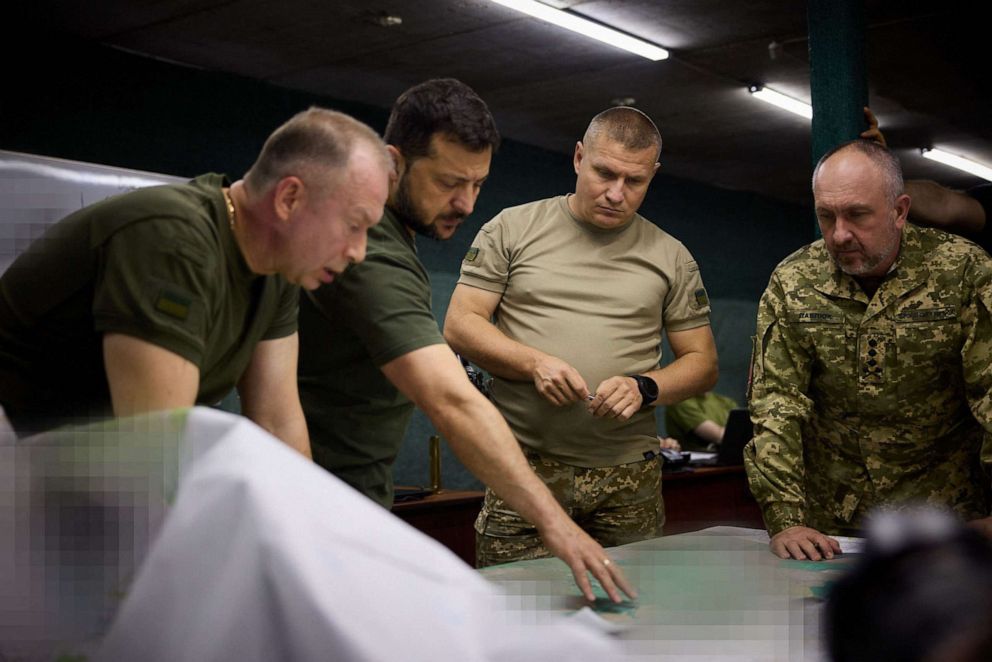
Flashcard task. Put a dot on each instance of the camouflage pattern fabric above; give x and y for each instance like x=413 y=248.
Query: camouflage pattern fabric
x=861 y=402
x=615 y=505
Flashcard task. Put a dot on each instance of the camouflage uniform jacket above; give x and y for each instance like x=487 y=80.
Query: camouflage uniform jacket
x=858 y=402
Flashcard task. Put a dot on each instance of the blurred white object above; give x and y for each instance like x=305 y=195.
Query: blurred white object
x=265 y=556
x=197 y=536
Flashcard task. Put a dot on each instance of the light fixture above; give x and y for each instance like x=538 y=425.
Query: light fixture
x=959 y=162
x=623 y=101
x=782 y=101
x=588 y=28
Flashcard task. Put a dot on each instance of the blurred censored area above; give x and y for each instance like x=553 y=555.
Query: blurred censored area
x=78 y=511
x=196 y=535
x=921 y=592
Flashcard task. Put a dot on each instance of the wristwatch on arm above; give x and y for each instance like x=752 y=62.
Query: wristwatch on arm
x=648 y=389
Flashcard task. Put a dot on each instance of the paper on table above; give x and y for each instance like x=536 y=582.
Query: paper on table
x=850 y=545
x=590 y=619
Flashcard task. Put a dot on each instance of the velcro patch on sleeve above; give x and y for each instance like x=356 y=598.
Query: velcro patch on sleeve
x=173 y=304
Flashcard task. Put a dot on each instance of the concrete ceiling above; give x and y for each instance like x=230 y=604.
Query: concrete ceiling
x=928 y=73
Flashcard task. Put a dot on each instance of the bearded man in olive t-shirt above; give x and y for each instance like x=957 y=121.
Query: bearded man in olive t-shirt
x=370 y=348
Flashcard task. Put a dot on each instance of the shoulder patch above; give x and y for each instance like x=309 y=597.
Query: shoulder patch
x=173 y=304
x=472 y=254
x=701 y=298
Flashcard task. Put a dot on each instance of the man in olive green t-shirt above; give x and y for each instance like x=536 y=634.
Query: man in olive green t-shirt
x=169 y=296
x=369 y=344
x=564 y=301
x=698 y=423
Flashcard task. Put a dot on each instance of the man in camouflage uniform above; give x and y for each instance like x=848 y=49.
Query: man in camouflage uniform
x=871 y=364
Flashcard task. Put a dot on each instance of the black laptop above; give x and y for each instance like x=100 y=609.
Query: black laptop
x=736 y=434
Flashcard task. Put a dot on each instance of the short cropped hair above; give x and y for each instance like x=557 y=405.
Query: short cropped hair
x=885 y=160
x=624 y=125
x=311 y=144
x=440 y=105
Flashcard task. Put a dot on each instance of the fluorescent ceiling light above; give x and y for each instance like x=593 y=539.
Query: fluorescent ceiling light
x=784 y=102
x=959 y=162
x=588 y=28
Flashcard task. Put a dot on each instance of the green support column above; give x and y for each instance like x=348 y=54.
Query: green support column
x=837 y=75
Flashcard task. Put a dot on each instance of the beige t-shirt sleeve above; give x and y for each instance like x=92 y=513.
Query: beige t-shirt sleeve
x=486 y=265
x=687 y=305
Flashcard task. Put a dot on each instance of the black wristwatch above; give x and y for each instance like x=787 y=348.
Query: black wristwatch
x=648 y=388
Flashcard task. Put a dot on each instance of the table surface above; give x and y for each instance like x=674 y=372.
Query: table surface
x=716 y=594
x=446 y=497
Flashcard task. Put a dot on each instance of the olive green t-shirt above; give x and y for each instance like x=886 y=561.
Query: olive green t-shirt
x=597 y=299
x=376 y=311
x=683 y=417
x=159 y=264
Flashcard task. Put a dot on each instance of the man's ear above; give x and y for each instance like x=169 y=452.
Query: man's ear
x=902 y=210
x=399 y=166
x=577 y=157
x=288 y=195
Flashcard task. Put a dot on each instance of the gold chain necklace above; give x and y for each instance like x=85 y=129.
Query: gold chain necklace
x=231 y=214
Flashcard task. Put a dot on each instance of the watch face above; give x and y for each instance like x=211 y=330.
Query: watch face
x=648 y=388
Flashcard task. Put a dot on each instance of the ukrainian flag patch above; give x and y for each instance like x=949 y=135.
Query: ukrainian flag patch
x=173 y=304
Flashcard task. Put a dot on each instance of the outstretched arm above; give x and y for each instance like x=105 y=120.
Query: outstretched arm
x=779 y=404
x=435 y=381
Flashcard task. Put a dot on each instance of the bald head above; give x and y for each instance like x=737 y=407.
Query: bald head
x=626 y=126
x=881 y=159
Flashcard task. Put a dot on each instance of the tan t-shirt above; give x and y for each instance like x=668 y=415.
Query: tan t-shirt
x=595 y=298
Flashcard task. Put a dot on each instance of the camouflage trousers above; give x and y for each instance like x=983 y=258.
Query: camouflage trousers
x=614 y=505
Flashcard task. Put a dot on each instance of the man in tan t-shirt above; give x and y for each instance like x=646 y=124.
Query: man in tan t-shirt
x=580 y=288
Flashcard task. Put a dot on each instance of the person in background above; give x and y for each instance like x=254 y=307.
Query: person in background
x=922 y=592
x=962 y=212
x=698 y=423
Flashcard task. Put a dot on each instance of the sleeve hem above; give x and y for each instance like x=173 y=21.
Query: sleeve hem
x=406 y=347
x=189 y=351
x=482 y=283
x=786 y=516
x=694 y=323
x=281 y=331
